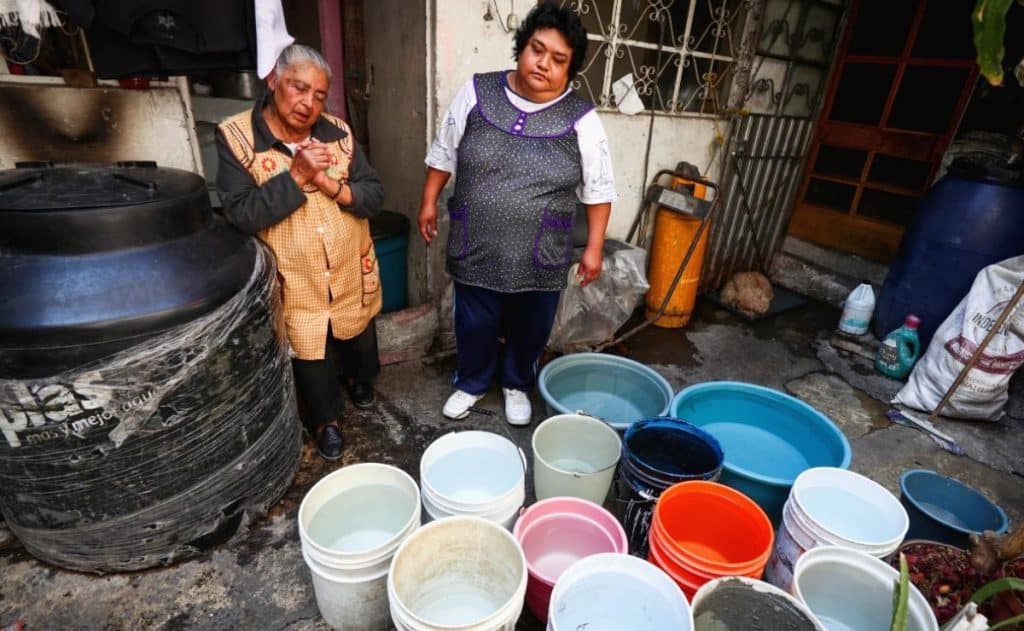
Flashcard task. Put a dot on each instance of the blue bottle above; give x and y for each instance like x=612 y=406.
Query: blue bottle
x=899 y=350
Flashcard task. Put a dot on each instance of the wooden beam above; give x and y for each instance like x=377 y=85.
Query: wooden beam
x=332 y=47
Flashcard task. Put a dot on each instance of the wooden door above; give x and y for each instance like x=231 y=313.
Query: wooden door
x=903 y=76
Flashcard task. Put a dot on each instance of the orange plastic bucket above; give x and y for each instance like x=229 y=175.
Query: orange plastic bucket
x=657 y=556
x=712 y=529
x=687 y=577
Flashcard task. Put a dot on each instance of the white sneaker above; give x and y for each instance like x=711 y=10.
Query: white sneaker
x=457 y=406
x=517 y=407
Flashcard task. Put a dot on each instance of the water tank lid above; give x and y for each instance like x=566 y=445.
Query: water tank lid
x=76 y=187
x=82 y=208
x=388 y=224
x=986 y=168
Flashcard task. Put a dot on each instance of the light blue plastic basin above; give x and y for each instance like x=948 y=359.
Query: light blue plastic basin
x=768 y=437
x=617 y=390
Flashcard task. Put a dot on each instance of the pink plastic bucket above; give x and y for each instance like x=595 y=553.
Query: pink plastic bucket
x=556 y=532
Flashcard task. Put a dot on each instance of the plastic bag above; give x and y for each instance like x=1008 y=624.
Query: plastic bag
x=983 y=393
x=590 y=315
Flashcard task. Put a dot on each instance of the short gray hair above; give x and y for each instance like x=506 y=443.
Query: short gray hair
x=297 y=55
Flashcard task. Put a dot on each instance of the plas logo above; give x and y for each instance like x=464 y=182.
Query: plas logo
x=34 y=413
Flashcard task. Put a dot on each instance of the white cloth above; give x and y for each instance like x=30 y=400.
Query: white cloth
x=598 y=182
x=29 y=14
x=271 y=35
x=624 y=91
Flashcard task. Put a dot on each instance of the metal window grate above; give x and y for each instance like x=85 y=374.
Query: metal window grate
x=683 y=54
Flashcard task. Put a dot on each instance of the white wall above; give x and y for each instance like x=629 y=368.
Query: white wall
x=465 y=42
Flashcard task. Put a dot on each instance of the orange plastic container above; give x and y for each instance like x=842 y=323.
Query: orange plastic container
x=688 y=579
x=708 y=530
x=673 y=234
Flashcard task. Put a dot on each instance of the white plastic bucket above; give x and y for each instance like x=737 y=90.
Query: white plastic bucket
x=610 y=592
x=458 y=573
x=350 y=524
x=574 y=456
x=504 y=514
x=765 y=608
x=831 y=506
x=853 y=591
x=473 y=473
x=347 y=603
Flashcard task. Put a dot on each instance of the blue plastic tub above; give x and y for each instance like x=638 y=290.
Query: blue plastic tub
x=947 y=510
x=768 y=437
x=617 y=390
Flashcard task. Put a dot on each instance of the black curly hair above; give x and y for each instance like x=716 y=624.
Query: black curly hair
x=548 y=15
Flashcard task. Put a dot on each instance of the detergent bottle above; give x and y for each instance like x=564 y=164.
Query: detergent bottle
x=899 y=350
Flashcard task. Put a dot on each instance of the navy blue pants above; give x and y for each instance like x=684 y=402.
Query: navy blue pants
x=482 y=316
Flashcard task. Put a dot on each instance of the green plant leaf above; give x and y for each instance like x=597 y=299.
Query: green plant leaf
x=1007 y=622
x=901 y=597
x=989 y=24
x=990 y=589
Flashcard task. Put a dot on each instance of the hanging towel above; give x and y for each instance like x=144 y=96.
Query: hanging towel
x=271 y=35
x=29 y=14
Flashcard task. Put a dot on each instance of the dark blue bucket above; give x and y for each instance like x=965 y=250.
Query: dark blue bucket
x=656 y=454
x=947 y=510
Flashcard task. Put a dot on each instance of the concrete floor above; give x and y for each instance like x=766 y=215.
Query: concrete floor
x=258 y=580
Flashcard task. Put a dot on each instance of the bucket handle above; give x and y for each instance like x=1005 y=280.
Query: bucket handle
x=593 y=416
x=522 y=456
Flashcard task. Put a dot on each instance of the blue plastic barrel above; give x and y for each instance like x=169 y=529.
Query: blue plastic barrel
x=390 y=232
x=973 y=217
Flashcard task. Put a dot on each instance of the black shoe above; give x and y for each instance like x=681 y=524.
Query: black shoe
x=329 y=442
x=362 y=395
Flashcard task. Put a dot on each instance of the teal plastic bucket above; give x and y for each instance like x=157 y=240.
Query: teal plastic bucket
x=390 y=232
x=769 y=437
x=614 y=389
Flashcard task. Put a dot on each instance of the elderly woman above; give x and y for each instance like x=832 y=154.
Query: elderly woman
x=295 y=177
x=525 y=150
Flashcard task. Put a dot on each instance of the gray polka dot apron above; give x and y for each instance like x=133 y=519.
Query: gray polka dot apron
x=514 y=204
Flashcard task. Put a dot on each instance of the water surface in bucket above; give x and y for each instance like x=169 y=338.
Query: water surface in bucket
x=610 y=406
x=573 y=465
x=758 y=450
x=448 y=601
x=475 y=475
x=361 y=518
x=944 y=515
x=847 y=514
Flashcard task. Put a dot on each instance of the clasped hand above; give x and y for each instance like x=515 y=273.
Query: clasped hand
x=311 y=159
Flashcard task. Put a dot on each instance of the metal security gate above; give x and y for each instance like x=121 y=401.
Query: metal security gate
x=760 y=177
x=770 y=131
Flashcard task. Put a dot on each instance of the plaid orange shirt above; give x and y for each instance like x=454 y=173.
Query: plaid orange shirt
x=325 y=257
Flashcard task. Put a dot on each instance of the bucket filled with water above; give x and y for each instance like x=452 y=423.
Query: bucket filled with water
x=458 y=573
x=557 y=532
x=473 y=473
x=656 y=454
x=703 y=530
x=350 y=524
x=575 y=456
x=830 y=506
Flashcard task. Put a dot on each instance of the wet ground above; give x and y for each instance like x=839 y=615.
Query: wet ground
x=258 y=580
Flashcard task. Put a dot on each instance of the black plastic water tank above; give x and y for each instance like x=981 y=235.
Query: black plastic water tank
x=146 y=397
